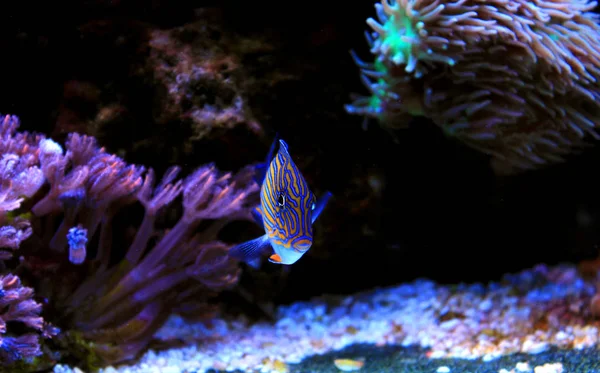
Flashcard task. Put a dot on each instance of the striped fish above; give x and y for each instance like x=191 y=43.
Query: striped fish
x=287 y=211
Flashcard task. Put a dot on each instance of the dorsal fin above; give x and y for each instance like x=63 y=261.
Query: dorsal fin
x=261 y=168
x=284 y=146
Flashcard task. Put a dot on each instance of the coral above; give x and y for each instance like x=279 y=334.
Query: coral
x=201 y=84
x=112 y=298
x=20 y=178
x=200 y=89
x=18 y=306
x=109 y=288
x=514 y=79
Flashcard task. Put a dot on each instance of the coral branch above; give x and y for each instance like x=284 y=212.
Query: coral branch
x=111 y=288
x=17 y=305
x=117 y=298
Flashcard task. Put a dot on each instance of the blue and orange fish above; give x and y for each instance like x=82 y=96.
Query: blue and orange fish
x=287 y=211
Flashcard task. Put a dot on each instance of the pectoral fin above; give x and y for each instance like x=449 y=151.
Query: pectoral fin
x=320 y=205
x=254 y=263
x=250 y=251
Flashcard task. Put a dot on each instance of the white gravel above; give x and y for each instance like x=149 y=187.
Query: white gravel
x=526 y=312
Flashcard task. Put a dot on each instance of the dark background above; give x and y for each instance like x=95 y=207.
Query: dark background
x=424 y=206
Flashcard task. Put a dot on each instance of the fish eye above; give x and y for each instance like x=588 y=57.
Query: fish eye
x=281 y=200
x=312 y=207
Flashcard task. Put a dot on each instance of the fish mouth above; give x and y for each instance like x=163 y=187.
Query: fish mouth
x=301 y=247
x=289 y=254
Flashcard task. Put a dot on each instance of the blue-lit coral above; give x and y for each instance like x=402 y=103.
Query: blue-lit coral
x=77 y=239
x=17 y=306
x=514 y=79
x=130 y=284
x=110 y=289
x=20 y=178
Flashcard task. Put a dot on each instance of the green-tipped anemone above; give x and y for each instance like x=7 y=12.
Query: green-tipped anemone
x=379 y=89
x=400 y=38
x=375 y=104
x=397 y=35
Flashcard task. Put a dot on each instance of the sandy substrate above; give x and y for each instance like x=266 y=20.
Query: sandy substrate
x=527 y=312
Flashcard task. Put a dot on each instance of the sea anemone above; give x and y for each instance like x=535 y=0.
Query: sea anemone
x=515 y=79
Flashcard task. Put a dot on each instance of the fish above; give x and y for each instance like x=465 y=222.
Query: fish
x=287 y=211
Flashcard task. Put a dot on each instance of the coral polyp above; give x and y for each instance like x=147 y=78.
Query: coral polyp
x=401 y=37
